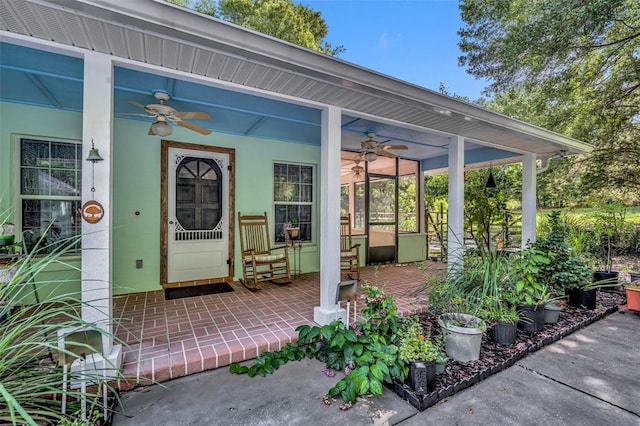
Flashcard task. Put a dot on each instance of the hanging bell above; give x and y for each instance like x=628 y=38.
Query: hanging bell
x=94 y=155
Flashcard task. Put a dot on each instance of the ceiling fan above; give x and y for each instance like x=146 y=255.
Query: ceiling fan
x=165 y=114
x=357 y=169
x=370 y=149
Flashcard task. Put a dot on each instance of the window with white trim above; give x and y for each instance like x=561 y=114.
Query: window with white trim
x=50 y=176
x=293 y=200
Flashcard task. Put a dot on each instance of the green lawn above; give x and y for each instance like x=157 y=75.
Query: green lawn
x=587 y=214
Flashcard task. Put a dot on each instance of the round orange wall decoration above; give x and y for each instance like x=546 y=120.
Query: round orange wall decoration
x=92 y=211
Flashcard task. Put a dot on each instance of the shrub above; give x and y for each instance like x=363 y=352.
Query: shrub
x=366 y=351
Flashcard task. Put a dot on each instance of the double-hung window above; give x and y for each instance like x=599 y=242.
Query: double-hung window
x=293 y=200
x=49 y=191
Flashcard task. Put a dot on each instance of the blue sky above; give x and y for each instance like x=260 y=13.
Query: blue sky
x=415 y=41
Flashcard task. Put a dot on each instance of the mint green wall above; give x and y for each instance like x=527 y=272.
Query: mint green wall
x=136 y=185
x=30 y=121
x=412 y=248
x=136 y=188
x=47 y=123
x=136 y=180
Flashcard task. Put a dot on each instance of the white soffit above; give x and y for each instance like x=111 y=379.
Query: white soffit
x=156 y=32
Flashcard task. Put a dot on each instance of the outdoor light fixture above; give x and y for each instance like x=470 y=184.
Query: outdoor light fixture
x=371 y=156
x=161 y=128
x=491 y=182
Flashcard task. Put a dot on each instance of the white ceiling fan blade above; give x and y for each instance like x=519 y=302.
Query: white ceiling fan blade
x=192 y=115
x=193 y=127
x=135 y=114
x=395 y=147
x=139 y=105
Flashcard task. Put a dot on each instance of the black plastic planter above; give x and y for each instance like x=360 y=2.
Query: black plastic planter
x=580 y=298
x=533 y=317
x=422 y=376
x=503 y=333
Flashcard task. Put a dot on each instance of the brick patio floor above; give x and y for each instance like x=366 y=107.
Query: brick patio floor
x=166 y=339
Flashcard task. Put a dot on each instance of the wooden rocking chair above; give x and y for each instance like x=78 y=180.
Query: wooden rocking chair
x=349 y=252
x=260 y=261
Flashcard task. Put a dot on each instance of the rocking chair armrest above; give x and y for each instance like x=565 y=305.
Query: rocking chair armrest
x=285 y=247
x=356 y=246
x=249 y=252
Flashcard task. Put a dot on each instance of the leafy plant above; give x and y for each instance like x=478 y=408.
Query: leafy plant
x=30 y=380
x=564 y=271
x=497 y=310
x=415 y=344
x=528 y=288
x=466 y=289
x=366 y=351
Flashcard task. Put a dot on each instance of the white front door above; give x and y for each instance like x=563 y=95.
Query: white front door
x=197 y=215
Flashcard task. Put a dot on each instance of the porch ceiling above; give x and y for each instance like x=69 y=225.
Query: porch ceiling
x=249 y=83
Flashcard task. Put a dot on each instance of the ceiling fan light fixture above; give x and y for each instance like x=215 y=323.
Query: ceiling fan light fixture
x=371 y=156
x=357 y=170
x=161 y=128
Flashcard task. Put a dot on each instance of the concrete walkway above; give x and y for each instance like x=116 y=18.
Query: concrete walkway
x=591 y=377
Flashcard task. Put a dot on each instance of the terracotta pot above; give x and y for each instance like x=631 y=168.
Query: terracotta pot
x=633 y=298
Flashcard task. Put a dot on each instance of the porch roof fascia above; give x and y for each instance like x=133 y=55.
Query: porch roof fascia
x=407 y=103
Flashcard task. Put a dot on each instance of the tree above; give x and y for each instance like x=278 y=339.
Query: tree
x=568 y=65
x=283 y=19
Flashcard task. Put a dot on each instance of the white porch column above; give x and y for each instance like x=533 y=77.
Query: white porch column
x=455 y=235
x=421 y=204
x=96 y=238
x=329 y=216
x=528 y=198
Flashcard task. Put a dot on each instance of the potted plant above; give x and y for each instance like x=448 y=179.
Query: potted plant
x=292 y=228
x=463 y=335
x=568 y=270
x=441 y=355
x=529 y=291
x=552 y=309
x=611 y=232
x=633 y=296
x=503 y=318
x=419 y=352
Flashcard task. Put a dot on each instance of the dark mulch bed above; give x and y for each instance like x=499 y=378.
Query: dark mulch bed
x=494 y=357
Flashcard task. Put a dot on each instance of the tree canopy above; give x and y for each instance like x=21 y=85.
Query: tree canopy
x=572 y=66
x=283 y=19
